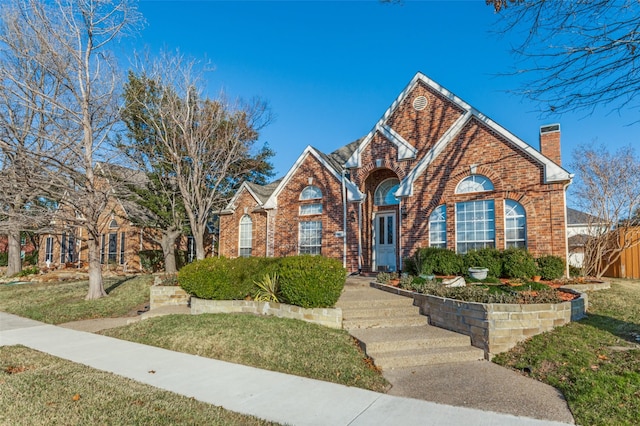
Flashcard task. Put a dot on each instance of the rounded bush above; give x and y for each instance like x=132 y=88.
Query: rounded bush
x=439 y=261
x=489 y=258
x=311 y=281
x=518 y=263
x=550 y=267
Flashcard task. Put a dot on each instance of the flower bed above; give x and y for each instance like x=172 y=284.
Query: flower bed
x=495 y=327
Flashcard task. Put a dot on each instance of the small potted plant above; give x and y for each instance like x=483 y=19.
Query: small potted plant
x=478 y=273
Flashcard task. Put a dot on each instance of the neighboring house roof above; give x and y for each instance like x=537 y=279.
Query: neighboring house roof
x=576 y=241
x=578 y=218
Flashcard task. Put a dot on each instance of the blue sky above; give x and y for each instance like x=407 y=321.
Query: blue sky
x=330 y=69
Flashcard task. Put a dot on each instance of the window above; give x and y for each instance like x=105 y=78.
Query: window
x=122 y=243
x=191 y=249
x=113 y=246
x=311 y=193
x=67 y=248
x=310 y=237
x=63 y=248
x=438 y=227
x=113 y=224
x=307 y=209
x=474 y=183
x=48 y=253
x=246 y=236
x=385 y=193
x=103 y=238
x=515 y=227
x=475 y=225
x=71 y=248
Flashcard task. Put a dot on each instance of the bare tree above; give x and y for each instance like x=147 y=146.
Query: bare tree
x=607 y=187
x=578 y=54
x=68 y=41
x=208 y=145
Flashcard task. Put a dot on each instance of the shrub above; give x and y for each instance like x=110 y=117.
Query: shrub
x=439 y=261
x=28 y=271
x=489 y=258
x=31 y=258
x=311 y=281
x=409 y=265
x=151 y=260
x=518 y=263
x=575 y=271
x=268 y=290
x=550 y=267
x=4 y=259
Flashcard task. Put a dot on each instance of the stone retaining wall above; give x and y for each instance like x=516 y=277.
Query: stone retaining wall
x=328 y=317
x=495 y=327
x=168 y=296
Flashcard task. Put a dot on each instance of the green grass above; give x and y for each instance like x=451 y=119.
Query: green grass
x=278 y=344
x=39 y=389
x=57 y=303
x=595 y=362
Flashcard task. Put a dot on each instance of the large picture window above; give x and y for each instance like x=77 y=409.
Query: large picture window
x=475 y=225
x=515 y=226
x=310 y=237
x=438 y=227
x=246 y=236
x=385 y=193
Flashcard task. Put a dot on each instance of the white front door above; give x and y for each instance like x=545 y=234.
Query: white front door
x=384 y=250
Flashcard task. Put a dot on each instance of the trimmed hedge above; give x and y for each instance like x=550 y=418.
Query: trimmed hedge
x=550 y=267
x=518 y=263
x=489 y=258
x=439 y=261
x=306 y=281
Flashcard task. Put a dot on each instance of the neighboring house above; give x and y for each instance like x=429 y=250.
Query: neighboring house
x=433 y=171
x=121 y=239
x=580 y=226
x=26 y=245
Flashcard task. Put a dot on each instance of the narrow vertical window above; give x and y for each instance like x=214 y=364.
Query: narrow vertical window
x=122 y=244
x=63 y=248
x=438 y=227
x=515 y=227
x=71 y=249
x=113 y=246
x=246 y=236
x=48 y=254
x=103 y=239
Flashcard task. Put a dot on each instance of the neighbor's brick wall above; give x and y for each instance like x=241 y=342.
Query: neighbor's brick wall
x=230 y=227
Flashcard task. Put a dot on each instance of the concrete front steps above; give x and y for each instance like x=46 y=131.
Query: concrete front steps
x=393 y=333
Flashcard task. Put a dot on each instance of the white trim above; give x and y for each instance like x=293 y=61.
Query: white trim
x=231 y=206
x=374 y=253
x=353 y=192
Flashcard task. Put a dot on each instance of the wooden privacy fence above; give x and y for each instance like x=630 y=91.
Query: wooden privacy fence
x=628 y=265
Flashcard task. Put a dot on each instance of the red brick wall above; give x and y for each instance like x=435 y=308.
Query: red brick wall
x=230 y=238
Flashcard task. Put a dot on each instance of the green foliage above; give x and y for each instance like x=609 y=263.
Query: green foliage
x=31 y=258
x=574 y=271
x=385 y=277
x=28 y=271
x=489 y=258
x=550 y=267
x=4 y=259
x=491 y=294
x=268 y=290
x=151 y=260
x=439 y=261
x=518 y=263
x=311 y=281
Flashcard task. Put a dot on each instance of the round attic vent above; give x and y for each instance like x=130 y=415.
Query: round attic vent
x=420 y=103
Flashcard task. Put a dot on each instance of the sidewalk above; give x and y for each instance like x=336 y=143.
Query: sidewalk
x=273 y=396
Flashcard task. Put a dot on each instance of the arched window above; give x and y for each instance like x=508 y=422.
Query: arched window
x=438 y=227
x=385 y=193
x=246 y=236
x=311 y=193
x=515 y=226
x=474 y=183
x=113 y=224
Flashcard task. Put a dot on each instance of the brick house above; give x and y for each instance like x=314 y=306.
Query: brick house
x=433 y=171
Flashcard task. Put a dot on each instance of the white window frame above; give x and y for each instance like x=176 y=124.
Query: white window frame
x=311 y=192
x=479 y=221
x=48 y=253
x=310 y=209
x=245 y=236
x=474 y=183
x=310 y=237
x=511 y=216
x=438 y=227
x=385 y=188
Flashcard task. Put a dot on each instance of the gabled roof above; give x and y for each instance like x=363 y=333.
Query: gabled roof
x=578 y=218
x=552 y=171
x=260 y=193
x=329 y=162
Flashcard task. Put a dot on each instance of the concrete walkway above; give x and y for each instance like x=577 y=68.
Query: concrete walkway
x=272 y=396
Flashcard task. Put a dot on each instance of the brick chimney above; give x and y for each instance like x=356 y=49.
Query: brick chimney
x=550 y=142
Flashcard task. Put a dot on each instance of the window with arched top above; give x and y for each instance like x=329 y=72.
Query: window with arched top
x=246 y=236
x=515 y=224
x=113 y=224
x=311 y=193
x=474 y=183
x=385 y=193
x=438 y=227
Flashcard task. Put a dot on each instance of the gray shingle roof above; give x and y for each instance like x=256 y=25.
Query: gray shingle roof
x=263 y=192
x=576 y=217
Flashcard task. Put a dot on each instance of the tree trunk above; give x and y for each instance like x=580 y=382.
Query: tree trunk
x=198 y=238
x=168 y=244
x=14 y=265
x=96 y=289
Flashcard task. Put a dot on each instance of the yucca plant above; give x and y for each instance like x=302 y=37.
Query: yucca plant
x=267 y=289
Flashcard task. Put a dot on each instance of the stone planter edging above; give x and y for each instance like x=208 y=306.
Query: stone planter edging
x=328 y=317
x=495 y=327
x=170 y=295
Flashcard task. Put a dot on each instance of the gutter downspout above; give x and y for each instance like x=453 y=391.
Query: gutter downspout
x=401 y=205
x=344 y=222
x=566 y=239
x=360 y=237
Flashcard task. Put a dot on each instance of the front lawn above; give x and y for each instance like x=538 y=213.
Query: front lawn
x=594 y=362
x=39 y=389
x=278 y=344
x=57 y=303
